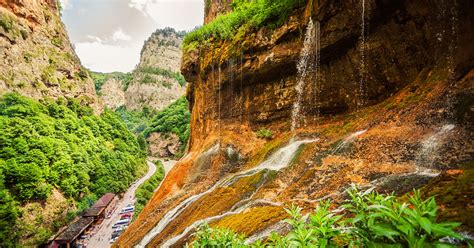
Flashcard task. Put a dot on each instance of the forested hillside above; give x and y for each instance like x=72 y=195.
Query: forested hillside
x=60 y=145
x=172 y=123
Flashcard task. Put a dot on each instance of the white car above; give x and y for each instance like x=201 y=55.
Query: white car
x=113 y=240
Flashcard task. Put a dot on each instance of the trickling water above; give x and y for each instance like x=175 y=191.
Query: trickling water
x=178 y=209
x=317 y=65
x=362 y=69
x=242 y=103
x=277 y=161
x=429 y=146
x=304 y=67
x=349 y=139
x=219 y=102
x=425 y=160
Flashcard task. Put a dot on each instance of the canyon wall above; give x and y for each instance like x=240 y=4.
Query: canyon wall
x=156 y=81
x=386 y=101
x=36 y=55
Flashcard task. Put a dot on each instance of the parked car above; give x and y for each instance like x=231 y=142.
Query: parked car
x=121 y=223
x=113 y=240
x=121 y=227
x=125 y=216
x=127 y=210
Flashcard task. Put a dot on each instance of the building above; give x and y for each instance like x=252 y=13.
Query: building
x=94 y=215
x=101 y=207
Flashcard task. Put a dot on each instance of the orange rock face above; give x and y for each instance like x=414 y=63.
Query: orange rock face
x=395 y=124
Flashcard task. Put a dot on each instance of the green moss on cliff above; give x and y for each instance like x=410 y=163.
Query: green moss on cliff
x=246 y=15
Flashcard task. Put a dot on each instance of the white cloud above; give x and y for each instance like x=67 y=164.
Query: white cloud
x=139 y=4
x=119 y=35
x=66 y=4
x=165 y=13
x=94 y=38
x=108 y=58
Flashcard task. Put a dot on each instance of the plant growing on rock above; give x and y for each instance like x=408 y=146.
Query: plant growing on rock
x=264 y=133
x=368 y=219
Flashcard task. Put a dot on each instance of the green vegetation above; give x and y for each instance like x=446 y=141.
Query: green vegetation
x=100 y=78
x=136 y=121
x=246 y=16
x=8 y=23
x=61 y=144
x=167 y=73
x=144 y=73
x=9 y=212
x=174 y=119
x=146 y=190
x=367 y=220
x=264 y=133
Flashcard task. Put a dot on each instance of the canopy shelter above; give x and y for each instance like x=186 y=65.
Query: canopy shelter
x=99 y=206
x=74 y=231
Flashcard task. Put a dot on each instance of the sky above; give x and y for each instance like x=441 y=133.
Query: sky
x=108 y=35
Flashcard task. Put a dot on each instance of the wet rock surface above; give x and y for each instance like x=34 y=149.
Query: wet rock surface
x=400 y=124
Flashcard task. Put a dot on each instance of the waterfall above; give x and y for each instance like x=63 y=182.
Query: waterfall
x=219 y=101
x=362 y=69
x=317 y=66
x=348 y=140
x=429 y=147
x=305 y=66
x=277 y=161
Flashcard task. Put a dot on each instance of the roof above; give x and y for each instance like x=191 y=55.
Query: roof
x=93 y=212
x=104 y=201
x=99 y=205
x=74 y=230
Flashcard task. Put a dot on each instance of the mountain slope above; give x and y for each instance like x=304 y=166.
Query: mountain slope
x=59 y=150
x=36 y=56
x=380 y=94
x=155 y=82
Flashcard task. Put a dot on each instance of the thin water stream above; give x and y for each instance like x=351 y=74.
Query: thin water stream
x=304 y=67
x=277 y=161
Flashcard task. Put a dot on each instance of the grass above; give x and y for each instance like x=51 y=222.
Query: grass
x=245 y=16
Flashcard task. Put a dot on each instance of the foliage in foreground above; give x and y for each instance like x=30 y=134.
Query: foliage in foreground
x=145 y=191
x=60 y=144
x=246 y=15
x=367 y=220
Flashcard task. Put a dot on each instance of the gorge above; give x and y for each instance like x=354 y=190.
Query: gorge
x=385 y=92
x=295 y=123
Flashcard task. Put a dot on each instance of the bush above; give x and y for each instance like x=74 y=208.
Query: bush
x=62 y=144
x=145 y=191
x=174 y=119
x=367 y=220
x=264 y=133
x=245 y=14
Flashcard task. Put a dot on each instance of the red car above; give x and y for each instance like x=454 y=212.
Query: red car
x=125 y=216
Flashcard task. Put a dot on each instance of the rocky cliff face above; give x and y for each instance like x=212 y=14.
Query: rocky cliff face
x=156 y=81
x=36 y=56
x=382 y=93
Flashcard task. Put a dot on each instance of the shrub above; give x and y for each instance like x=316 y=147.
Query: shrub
x=62 y=144
x=145 y=191
x=174 y=119
x=245 y=13
x=367 y=220
x=264 y=133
